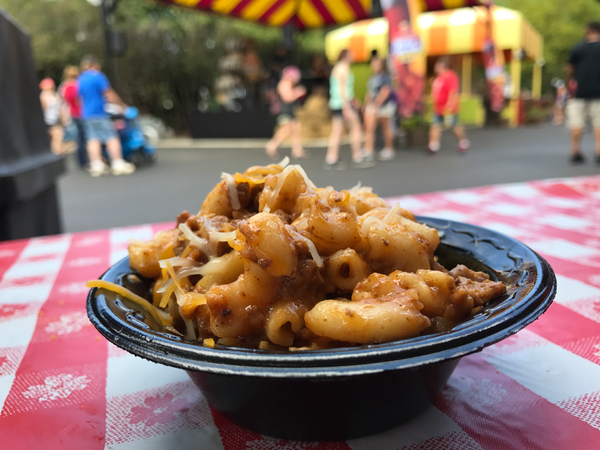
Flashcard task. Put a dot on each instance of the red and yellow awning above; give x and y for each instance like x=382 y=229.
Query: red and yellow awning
x=464 y=31
x=300 y=13
x=439 y=5
x=442 y=33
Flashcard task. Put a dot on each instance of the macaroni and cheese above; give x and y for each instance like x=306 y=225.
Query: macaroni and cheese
x=273 y=262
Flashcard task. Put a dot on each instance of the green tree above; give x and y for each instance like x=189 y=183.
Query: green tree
x=561 y=23
x=168 y=56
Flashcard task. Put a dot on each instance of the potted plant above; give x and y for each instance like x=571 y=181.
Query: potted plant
x=417 y=130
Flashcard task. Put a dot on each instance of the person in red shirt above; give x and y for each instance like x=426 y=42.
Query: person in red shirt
x=70 y=95
x=445 y=103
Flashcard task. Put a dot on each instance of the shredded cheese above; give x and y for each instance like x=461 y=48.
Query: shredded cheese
x=391 y=213
x=181 y=297
x=311 y=248
x=354 y=189
x=159 y=316
x=366 y=225
x=215 y=265
x=301 y=223
x=280 y=180
x=307 y=180
x=358 y=190
x=177 y=262
x=284 y=162
x=186 y=252
x=210 y=342
x=190 y=333
x=171 y=272
x=167 y=294
x=222 y=237
x=233 y=193
x=198 y=299
x=198 y=242
x=165 y=286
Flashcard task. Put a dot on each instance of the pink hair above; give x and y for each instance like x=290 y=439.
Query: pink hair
x=47 y=83
x=290 y=72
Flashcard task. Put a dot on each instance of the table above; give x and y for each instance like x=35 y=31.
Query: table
x=63 y=386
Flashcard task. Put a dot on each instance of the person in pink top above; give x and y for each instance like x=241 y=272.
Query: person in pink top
x=444 y=93
x=70 y=95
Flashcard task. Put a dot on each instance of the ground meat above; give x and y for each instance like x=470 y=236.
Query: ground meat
x=243 y=190
x=183 y=217
x=480 y=291
x=285 y=217
x=472 y=289
x=465 y=272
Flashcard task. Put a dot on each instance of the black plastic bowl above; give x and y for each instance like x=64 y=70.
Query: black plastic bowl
x=339 y=394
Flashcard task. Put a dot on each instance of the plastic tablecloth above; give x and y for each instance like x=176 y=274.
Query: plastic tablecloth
x=63 y=386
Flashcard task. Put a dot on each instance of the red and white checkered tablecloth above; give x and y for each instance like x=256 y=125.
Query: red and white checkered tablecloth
x=63 y=386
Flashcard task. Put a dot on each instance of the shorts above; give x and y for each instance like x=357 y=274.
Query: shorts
x=449 y=122
x=282 y=119
x=387 y=110
x=287 y=113
x=339 y=113
x=100 y=129
x=580 y=110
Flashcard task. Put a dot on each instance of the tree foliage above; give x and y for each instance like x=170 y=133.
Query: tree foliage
x=561 y=23
x=168 y=57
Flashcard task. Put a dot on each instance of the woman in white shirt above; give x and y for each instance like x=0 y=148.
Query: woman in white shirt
x=51 y=105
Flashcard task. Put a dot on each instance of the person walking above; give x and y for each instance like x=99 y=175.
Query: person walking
x=289 y=92
x=51 y=106
x=380 y=109
x=444 y=93
x=94 y=92
x=69 y=93
x=341 y=98
x=584 y=67
x=562 y=95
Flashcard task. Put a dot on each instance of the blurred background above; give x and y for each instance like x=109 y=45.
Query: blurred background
x=203 y=77
x=172 y=60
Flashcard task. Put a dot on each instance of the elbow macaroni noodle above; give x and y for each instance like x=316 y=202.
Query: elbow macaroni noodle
x=292 y=266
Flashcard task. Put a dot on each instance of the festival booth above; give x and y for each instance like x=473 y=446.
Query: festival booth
x=238 y=116
x=460 y=34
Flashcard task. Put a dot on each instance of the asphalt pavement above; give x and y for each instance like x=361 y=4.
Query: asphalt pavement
x=181 y=177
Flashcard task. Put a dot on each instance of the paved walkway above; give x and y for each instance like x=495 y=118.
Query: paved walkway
x=183 y=176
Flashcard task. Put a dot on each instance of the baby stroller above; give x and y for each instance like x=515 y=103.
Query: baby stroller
x=135 y=147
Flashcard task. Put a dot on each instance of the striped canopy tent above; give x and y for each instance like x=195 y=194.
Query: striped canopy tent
x=456 y=32
x=442 y=33
x=464 y=31
x=439 y=5
x=301 y=14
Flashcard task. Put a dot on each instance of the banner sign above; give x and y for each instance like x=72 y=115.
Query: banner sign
x=493 y=62
x=407 y=60
x=495 y=75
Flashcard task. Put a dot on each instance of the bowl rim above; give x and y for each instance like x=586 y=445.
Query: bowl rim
x=535 y=289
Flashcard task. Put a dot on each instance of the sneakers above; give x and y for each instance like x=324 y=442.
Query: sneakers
x=577 y=159
x=338 y=165
x=98 y=169
x=122 y=167
x=368 y=160
x=119 y=167
x=387 y=154
x=433 y=147
x=463 y=146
